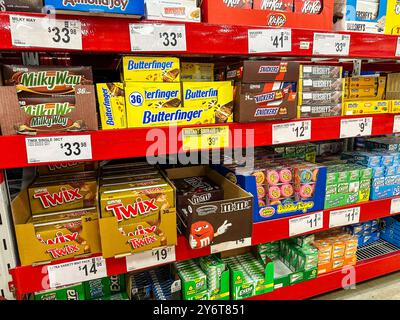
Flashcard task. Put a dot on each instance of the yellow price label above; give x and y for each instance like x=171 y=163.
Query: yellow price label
x=205 y=138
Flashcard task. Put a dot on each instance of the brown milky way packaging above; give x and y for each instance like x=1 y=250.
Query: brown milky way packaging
x=46 y=80
x=193 y=190
x=214 y=222
x=264 y=90
x=33 y=114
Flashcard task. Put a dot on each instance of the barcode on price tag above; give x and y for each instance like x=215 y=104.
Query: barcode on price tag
x=76 y=271
x=355 y=127
x=305 y=224
x=395 y=206
x=396 y=124
x=291 y=132
x=58 y=148
x=205 y=138
x=269 y=40
x=150 y=258
x=230 y=245
x=344 y=217
x=157 y=37
x=331 y=44
x=398 y=47
x=45 y=32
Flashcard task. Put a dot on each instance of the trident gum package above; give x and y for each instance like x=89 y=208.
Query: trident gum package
x=150 y=69
x=137 y=216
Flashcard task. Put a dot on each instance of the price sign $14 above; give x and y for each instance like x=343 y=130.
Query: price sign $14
x=92 y=269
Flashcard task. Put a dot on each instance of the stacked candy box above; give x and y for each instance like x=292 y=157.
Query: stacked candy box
x=366 y=232
x=282 y=187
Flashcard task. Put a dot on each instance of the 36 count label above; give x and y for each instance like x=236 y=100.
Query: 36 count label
x=291 y=132
x=331 y=44
x=157 y=37
x=45 y=32
x=58 y=148
x=76 y=271
x=150 y=258
x=269 y=40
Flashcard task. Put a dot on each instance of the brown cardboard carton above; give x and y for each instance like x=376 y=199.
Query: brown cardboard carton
x=56 y=243
x=215 y=222
x=59 y=168
x=21 y=5
x=137 y=217
x=41 y=118
x=264 y=101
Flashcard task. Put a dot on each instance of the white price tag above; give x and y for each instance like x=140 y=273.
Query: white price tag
x=291 y=132
x=398 y=47
x=76 y=271
x=157 y=37
x=58 y=148
x=344 y=217
x=331 y=44
x=45 y=32
x=305 y=224
x=396 y=124
x=269 y=40
x=395 y=206
x=355 y=127
x=150 y=258
x=230 y=245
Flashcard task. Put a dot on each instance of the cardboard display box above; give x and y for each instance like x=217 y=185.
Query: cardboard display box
x=48 y=116
x=393 y=17
x=173 y=10
x=66 y=243
x=307 y=16
x=215 y=222
x=21 y=5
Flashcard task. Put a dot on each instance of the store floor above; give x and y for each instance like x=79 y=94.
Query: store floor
x=383 y=288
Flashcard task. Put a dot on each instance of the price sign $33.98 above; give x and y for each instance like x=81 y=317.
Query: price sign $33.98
x=73 y=148
x=170 y=38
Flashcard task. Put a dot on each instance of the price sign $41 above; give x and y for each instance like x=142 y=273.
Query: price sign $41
x=278 y=41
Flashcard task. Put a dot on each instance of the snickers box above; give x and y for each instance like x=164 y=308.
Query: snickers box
x=263 y=71
x=219 y=221
x=265 y=101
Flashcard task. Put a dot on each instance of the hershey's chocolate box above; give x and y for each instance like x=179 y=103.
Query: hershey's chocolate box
x=309 y=85
x=265 y=101
x=194 y=190
x=320 y=72
x=263 y=71
x=320 y=98
x=21 y=5
x=46 y=80
x=331 y=110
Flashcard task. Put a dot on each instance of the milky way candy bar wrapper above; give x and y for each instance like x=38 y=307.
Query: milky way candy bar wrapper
x=46 y=80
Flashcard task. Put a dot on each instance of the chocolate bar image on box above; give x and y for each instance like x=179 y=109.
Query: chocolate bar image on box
x=46 y=80
x=320 y=72
x=309 y=85
x=320 y=98
x=195 y=190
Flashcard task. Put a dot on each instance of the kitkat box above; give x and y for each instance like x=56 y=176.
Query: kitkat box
x=303 y=14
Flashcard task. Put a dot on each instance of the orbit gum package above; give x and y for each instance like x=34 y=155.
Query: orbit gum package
x=216 y=220
x=281 y=187
x=136 y=216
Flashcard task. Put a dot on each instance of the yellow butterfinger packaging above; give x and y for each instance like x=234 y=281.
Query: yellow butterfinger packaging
x=392 y=24
x=150 y=69
x=111 y=105
x=191 y=71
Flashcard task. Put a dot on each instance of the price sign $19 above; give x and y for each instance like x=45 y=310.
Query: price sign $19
x=72 y=148
x=161 y=255
x=62 y=34
x=170 y=38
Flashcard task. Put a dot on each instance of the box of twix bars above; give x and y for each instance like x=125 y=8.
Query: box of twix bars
x=40 y=99
x=137 y=210
x=56 y=218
